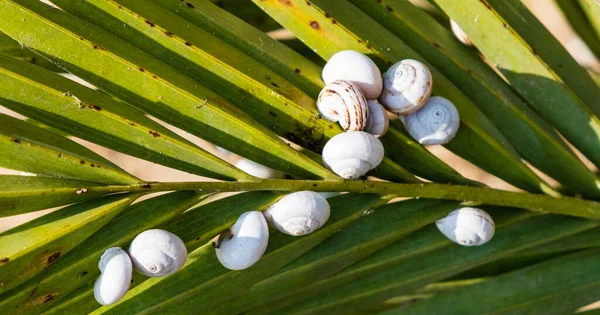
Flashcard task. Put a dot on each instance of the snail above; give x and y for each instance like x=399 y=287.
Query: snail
x=351 y=65
x=299 y=213
x=435 y=123
x=157 y=253
x=406 y=87
x=378 y=121
x=352 y=154
x=467 y=226
x=460 y=34
x=245 y=242
x=342 y=101
x=258 y=170
x=115 y=276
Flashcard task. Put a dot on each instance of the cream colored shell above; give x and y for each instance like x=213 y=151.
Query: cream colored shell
x=351 y=65
x=352 y=154
x=467 y=226
x=343 y=102
x=378 y=121
x=115 y=276
x=246 y=242
x=407 y=86
x=157 y=253
x=435 y=123
x=460 y=34
x=298 y=213
x=258 y=170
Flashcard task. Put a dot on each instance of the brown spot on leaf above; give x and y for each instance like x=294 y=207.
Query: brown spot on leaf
x=81 y=162
x=274 y=84
x=149 y=23
x=142 y=69
x=154 y=77
x=154 y=133
x=146 y=186
x=189 y=5
x=188 y=44
x=52 y=258
x=315 y=185
x=168 y=33
x=4 y=260
x=286 y=2
x=272 y=114
x=15 y=140
x=436 y=45
x=94 y=107
x=60 y=155
x=92 y=165
x=314 y=25
x=387 y=7
x=48 y=297
x=132 y=124
x=297 y=71
x=83 y=274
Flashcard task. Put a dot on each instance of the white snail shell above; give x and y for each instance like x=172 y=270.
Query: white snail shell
x=342 y=101
x=351 y=65
x=115 y=276
x=467 y=226
x=157 y=253
x=246 y=243
x=406 y=87
x=460 y=34
x=378 y=121
x=258 y=170
x=435 y=123
x=352 y=154
x=298 y=213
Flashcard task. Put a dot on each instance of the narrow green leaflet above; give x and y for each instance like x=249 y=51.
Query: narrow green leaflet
x=361 y=238
x=22 y=194
x=82 y=112
x=252 y=87
x=580 y=23
x=582 y=240
x=11 y=47
x=592 y=11
x=203 y=283
x=329 y=26
x=195 y=227
x=307 y=76
x=143 y=81
x=557 y=286
x=80 y=265
x=28 y=248
x=524 y=68
x=550 y=51
x=26 y=147
x=532 y=136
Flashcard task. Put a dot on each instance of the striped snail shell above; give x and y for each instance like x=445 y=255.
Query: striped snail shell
x=342 y=101
x=407 y=86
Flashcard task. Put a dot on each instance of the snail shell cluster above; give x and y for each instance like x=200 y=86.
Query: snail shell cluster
x=467 y=226
x=460 y=34
x=258 y=170
x=245 y=242
x=407 y=85
x=115 y=276
x=435 y=123
x=343 y=102
x=299 y=213
x=352 y=154
x=157 y=253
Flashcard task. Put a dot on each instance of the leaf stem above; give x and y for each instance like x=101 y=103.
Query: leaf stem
x=533 y=202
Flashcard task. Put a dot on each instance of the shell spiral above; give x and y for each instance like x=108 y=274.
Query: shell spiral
x=407 y=86
x=157 y=253
x=247 y=242
x=351 y=65
x=435 y=123
x=343 y=102
x=115 y=277
x=299 y=213
x=352 y=154
x=467 y=226
x=378 y=121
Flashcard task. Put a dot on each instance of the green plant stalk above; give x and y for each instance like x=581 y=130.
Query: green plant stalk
x=406 y=275
x=330 y=26
x=580 y=23
x=145 y=82
x=252 y=87
x=80 y=265
x=21 y=194
x=307 y=76
x=533 y=202
x=554 y=287
x=98 y=118
x=31 y=247
x=523 y=66
x=531 y=135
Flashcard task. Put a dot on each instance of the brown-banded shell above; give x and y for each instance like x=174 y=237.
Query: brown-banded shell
x=407 y=86
x=343 y=102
